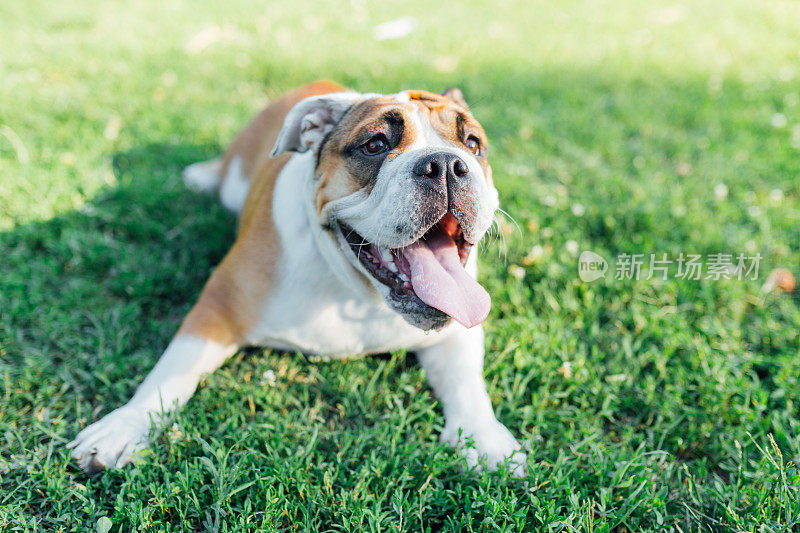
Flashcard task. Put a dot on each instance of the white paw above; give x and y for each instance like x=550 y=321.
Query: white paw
x=492 y=445
x=112 y=441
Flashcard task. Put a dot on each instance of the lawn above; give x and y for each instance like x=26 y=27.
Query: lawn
x=620 y=127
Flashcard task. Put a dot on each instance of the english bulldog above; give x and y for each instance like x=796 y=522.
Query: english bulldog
x=359 y=219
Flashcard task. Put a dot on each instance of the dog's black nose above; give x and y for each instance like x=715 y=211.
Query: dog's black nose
x=440 y=166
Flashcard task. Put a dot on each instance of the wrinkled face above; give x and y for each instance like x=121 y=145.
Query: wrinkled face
x=404 y=184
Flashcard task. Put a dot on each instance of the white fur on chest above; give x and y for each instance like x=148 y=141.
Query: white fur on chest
x=318 y=304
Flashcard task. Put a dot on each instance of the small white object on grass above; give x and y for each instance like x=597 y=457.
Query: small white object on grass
x=780 y=278
x=572 y=247
x=394 y=29
x=268 y=378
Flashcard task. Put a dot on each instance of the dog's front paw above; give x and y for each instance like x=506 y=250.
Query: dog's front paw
x=492 y=445
x=112 y=441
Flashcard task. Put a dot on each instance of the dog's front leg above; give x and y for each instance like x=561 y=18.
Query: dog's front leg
x=114 y=440
x=454 y=368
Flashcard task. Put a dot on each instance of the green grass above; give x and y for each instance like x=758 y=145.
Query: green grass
x=681 y=410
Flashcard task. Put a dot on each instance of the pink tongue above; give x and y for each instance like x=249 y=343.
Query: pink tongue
x=441 y=282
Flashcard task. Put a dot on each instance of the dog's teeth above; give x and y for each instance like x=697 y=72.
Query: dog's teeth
x=403 y=277
x=392 y=267
x=386 y=255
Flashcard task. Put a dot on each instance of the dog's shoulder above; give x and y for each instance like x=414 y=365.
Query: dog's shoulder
x=253 y=145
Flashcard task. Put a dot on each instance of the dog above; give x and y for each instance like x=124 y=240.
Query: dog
x=359 y=216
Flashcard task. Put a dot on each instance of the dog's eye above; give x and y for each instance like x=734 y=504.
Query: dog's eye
x=376 y=145
x=473 y=144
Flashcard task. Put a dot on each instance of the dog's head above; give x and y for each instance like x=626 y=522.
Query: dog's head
x=403 y=183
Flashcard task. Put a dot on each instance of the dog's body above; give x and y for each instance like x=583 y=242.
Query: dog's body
x=407 y=172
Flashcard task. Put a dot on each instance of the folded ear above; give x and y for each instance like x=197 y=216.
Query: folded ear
x=311 y=119
x=455 y=95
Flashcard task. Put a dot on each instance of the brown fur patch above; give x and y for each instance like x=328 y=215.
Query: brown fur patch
x=231 y=300
x=341 y=171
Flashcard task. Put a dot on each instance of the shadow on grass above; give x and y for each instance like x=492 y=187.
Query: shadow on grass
x=90 y=298
x=107 y=285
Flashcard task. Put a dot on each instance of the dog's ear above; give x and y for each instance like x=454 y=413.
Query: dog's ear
x=455 y=95
x=310 y=120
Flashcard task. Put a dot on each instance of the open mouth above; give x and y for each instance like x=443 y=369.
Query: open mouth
x=428 y=273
